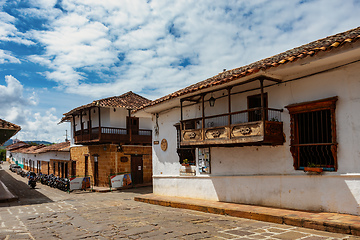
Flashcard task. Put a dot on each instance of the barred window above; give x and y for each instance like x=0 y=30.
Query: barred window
x=313 y=134
x=184 y=153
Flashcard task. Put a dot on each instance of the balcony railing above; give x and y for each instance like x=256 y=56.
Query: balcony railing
x=113 y=135
x=242 y=127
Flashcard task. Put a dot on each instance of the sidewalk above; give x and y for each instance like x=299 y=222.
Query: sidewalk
x=5 y=194
x=108 y=189
x=324 y=221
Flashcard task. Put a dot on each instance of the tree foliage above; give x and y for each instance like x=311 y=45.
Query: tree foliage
x=2 y=155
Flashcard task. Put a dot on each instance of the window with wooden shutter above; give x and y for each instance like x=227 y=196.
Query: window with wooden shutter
x=313 y=134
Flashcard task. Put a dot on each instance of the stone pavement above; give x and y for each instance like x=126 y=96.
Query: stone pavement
x=324 y=221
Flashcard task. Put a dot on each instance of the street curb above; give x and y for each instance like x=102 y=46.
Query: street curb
x=330 y=222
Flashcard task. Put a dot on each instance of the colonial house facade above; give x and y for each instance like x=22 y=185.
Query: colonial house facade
x=280 y=132
x=107 y=140
x=52 y=159
x=7 y=130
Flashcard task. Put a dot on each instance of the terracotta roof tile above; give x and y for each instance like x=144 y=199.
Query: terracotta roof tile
x=28 y=149
x=58 y=147
x=127 y=100
x=16 y=145
x=8 y=125
x=310 y=49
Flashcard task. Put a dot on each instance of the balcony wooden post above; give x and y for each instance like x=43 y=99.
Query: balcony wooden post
x=99 y=123
x=203 y=117
x=81 y=126
x=262 y=103
x=129 y=127
x=229 y=111
x=90 y=124
x=74 y=129
x=181 y=115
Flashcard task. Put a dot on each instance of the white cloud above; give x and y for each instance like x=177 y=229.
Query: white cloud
x=18 y=109
x=153 y=37
x=7 y=57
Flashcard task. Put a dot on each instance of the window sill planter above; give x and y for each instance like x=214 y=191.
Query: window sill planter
x=313 y=169
x=185 y=164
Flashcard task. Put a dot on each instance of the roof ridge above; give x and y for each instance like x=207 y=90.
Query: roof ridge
x=306 y=50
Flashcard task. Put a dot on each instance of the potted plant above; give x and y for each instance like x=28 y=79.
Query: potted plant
x=185 y=162
x=313 y=168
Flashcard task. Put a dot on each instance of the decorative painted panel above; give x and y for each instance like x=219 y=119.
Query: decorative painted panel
x=245 y=130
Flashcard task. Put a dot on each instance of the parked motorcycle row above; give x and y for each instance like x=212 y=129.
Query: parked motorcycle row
x=49 y=180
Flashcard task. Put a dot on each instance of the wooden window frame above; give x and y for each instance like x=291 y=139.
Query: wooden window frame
x=306 y=107
x=184 y=152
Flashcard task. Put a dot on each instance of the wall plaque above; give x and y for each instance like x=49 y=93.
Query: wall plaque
x=164 y=144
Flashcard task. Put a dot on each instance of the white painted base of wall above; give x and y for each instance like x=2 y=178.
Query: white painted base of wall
x=340 y=193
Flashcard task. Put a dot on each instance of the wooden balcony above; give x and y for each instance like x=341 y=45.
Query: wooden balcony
x=236 y=128
x=112 y=135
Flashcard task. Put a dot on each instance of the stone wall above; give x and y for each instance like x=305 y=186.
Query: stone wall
x=110 y=161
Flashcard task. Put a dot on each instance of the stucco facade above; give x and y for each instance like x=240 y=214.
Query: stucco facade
x=265 y=175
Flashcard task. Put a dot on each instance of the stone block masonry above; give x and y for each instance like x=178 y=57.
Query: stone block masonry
x=111 y=160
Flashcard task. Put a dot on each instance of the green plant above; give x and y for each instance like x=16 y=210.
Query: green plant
x=186 y=161
x=2 y=155
x=311 y=164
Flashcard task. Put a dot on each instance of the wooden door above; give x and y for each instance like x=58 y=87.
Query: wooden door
x=132 y=124
x=96 y=173
x=137 y=169
x=73 y=168
x=86 y=166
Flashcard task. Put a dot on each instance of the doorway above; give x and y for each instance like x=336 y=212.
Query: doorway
x=137 y=169
x=132 y=124
x=254 y=102
x=86 y=165
x=96 y=170
x=73 y=168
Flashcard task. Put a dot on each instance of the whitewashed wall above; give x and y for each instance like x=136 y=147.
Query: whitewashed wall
x=265 y=175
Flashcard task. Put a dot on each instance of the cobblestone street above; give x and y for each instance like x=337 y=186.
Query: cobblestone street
x=115 y=215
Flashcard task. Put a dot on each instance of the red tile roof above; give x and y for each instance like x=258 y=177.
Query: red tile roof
x=28 y=149
x=17 y=145
x=127 y=100
x=57 y=147
x=307 y=50
x=8 y=125
x=21 y=148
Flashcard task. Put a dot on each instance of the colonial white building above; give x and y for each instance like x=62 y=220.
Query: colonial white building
x=280 y=132
x=52 y=159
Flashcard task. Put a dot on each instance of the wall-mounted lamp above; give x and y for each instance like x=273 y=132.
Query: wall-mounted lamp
x=114 y=109
x=104 y=148
x=212 y=101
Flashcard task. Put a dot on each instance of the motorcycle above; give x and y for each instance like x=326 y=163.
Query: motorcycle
x=32 y=180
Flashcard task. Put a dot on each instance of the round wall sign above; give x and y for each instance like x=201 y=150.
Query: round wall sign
x=164 y=144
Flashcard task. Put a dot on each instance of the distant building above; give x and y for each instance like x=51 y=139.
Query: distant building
x=108 y=140
x=7 y=130
x=52 y=159
x=282 y=132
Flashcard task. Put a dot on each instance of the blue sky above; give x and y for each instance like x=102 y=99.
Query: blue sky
x=56 y=55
